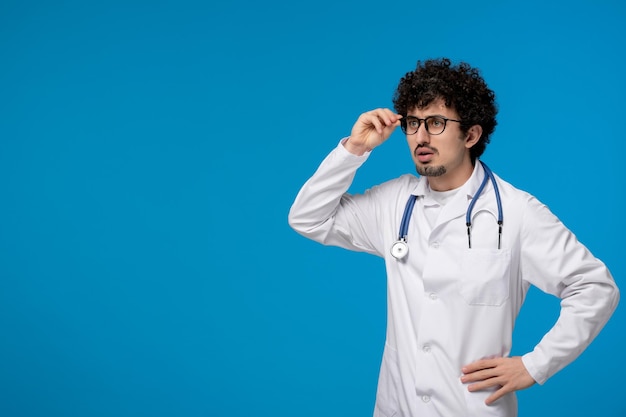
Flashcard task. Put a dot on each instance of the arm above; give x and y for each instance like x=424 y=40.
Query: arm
x=322 y=205
x=553 y=260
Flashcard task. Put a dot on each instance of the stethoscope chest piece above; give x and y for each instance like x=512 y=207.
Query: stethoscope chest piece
x=399 y=249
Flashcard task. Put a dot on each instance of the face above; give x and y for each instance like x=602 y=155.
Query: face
x=444 y=158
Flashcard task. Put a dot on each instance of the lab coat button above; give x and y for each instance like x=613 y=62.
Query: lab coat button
x=433 y=296
x=425 y=398
x=426 y=348
x=435 y=245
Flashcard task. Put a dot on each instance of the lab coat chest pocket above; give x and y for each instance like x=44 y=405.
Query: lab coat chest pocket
x=486 y=276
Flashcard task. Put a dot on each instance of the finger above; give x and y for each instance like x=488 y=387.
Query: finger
x=485 y=384
x=394 y=118
x=476 y=376
x=387 y=116
x=479 y=365
x=391 y=127
x=374 y=120
x=497 y=395
x=480 y=375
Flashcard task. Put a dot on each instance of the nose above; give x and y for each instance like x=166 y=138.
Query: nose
x=422 y=136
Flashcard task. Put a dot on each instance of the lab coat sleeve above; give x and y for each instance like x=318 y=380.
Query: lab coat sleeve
x=553 y=260
x=324 y=212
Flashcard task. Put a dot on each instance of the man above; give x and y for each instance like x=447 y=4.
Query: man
x=461 y=259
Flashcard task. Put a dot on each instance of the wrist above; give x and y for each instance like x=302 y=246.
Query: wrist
x=355 y=148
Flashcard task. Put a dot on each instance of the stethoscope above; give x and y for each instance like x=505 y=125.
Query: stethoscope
x=400 y=248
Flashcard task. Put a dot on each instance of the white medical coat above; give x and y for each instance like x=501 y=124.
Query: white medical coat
x=448 y=305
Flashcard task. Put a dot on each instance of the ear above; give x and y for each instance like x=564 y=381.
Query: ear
x=473 y=135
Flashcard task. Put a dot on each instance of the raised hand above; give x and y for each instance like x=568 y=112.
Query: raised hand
x=371 y=129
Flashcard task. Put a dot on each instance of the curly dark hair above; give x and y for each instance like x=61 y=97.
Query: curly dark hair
x=460 y=86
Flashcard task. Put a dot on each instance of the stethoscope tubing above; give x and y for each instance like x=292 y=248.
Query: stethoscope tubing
x=406 y=217
x=400 y=248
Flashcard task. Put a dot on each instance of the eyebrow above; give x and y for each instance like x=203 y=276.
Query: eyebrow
x=430 y=115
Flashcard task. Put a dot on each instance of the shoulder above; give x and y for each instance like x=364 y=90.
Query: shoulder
x=513 y=194
x=400 y=186
x=387 y=196
x=524 y=203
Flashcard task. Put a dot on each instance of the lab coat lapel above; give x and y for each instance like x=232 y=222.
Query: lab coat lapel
x=486 y=202
x=457 y=207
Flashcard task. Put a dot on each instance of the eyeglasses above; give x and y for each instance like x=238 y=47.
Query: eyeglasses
x=435 y=125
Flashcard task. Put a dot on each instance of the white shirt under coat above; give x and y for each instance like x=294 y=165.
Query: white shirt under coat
x=449 y=305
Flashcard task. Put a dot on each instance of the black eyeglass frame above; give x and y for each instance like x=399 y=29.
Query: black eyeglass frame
x=406 y=119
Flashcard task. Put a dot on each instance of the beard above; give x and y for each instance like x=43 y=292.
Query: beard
x=431 y=171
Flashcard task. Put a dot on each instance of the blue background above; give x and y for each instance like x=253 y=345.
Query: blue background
x=149 y=154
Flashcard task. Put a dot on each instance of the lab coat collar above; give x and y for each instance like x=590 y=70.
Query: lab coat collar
x=459 y=203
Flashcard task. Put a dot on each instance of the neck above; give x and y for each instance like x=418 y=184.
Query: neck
x=451 y=180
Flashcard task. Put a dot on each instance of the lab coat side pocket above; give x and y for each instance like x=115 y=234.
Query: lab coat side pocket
x=475 y=403
x=388 y=385
x=486 y=276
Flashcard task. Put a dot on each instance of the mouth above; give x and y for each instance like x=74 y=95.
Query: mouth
x=424 y=154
